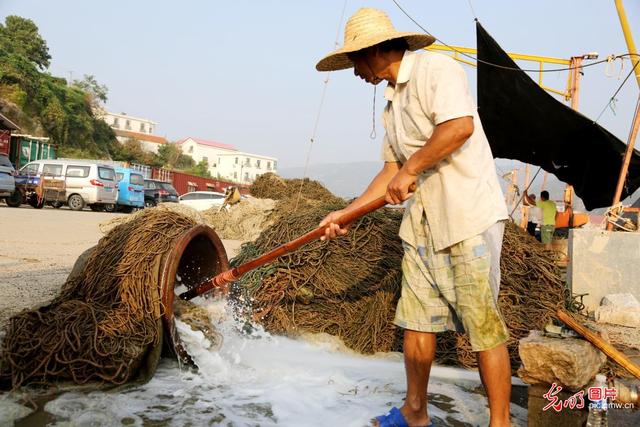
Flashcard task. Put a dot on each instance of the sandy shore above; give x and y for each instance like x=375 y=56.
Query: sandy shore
x=38 y=249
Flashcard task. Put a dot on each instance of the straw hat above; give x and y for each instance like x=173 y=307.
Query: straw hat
x=368 y=27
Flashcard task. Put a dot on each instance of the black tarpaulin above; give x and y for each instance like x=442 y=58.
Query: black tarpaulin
x=525 y=123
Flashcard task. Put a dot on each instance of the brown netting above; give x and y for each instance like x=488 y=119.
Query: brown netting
x=272 y=186
x=105 y=324
x=349 y=287
x=243 y=221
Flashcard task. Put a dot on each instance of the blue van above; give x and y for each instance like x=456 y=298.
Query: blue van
x=130 y=190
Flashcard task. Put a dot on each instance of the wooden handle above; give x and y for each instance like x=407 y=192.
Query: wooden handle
x=235 y=273
x=615 y=355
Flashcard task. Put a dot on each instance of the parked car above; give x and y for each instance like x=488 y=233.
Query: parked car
x=7 y=180
x=87 y=182
x=130 y=191
x=202 y=200
x=156 y=191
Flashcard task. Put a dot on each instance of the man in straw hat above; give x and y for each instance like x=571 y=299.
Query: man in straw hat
x=453 y=223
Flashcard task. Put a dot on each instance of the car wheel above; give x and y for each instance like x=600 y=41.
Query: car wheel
x=149 y=203
x=126 y=209
x=75 y=202
x=15 y=199
x=110 y=207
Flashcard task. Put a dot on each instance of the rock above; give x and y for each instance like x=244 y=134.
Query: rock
x=569 y=362
x=619 y=309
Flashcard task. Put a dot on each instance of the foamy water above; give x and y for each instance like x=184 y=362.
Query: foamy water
x=257 y=379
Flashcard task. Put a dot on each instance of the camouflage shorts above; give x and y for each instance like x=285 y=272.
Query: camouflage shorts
x=452 y=289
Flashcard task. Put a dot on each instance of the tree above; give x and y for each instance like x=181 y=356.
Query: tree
x=20 y=35
x=201 y=169
x=96 y=93
x=172 y=157
x=131 y=151
x=45 y=104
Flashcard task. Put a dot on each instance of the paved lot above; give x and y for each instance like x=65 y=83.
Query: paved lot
x=38 y=248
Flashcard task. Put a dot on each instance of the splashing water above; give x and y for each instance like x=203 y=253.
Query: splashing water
x=256 y=379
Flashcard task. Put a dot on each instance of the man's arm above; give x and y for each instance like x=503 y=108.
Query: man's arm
x=447 y=137
x=376 y=188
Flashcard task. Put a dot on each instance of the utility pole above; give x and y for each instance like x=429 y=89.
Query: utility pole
x=524 y=212
x=514 y=185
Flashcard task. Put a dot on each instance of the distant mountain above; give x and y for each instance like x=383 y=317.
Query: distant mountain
x=342 y=179
x=350 y=179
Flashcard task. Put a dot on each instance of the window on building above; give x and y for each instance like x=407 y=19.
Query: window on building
x=258 y=164
x=190 y=150
x=235 y=175
x=268 y=166
x=150 y=129
x=142 y=127
x=247 y=162
x=205 y=159
x=236 y=160
x=127 y=125
x=116 y=123
x=246 y=176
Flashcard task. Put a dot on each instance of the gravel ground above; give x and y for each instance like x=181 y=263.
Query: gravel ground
x=38 y=248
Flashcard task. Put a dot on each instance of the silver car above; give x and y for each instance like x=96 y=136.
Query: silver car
x=7 y=180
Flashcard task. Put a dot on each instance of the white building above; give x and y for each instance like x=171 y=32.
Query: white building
x=128 y=127
x=125 y=122
x=226 y=162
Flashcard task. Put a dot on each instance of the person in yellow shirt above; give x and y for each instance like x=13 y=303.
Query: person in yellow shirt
x=549 y=212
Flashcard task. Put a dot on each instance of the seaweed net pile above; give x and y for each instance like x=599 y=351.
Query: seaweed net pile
x=349 y=287
x=105 y=326
x=242 y=221
x=272 y=186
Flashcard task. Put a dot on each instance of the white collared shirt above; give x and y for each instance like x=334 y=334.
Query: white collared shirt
x=461 y=195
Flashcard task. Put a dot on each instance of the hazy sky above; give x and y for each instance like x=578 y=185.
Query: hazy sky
x=243 y=72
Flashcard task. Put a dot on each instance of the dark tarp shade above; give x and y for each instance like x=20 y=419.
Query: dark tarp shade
x=525 y=123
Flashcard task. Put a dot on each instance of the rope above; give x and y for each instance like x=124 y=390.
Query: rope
x=373 y=135
x=613 y=215
x=552 y=70
x=525 y=192
x=612 y=100
x=317 y=120
x=473 y=12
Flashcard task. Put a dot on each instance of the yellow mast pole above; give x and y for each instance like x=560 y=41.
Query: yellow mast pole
x=626 y=30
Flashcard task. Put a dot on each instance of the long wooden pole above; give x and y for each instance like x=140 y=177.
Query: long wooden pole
x=611 y=352
x=576 y=74
x=627 y=159
x=235 y=273
x=524 y=213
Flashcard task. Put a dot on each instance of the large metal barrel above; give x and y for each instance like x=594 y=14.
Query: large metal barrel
x=197 y=255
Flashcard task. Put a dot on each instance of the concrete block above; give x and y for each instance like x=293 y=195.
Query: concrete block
x=603 y=262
